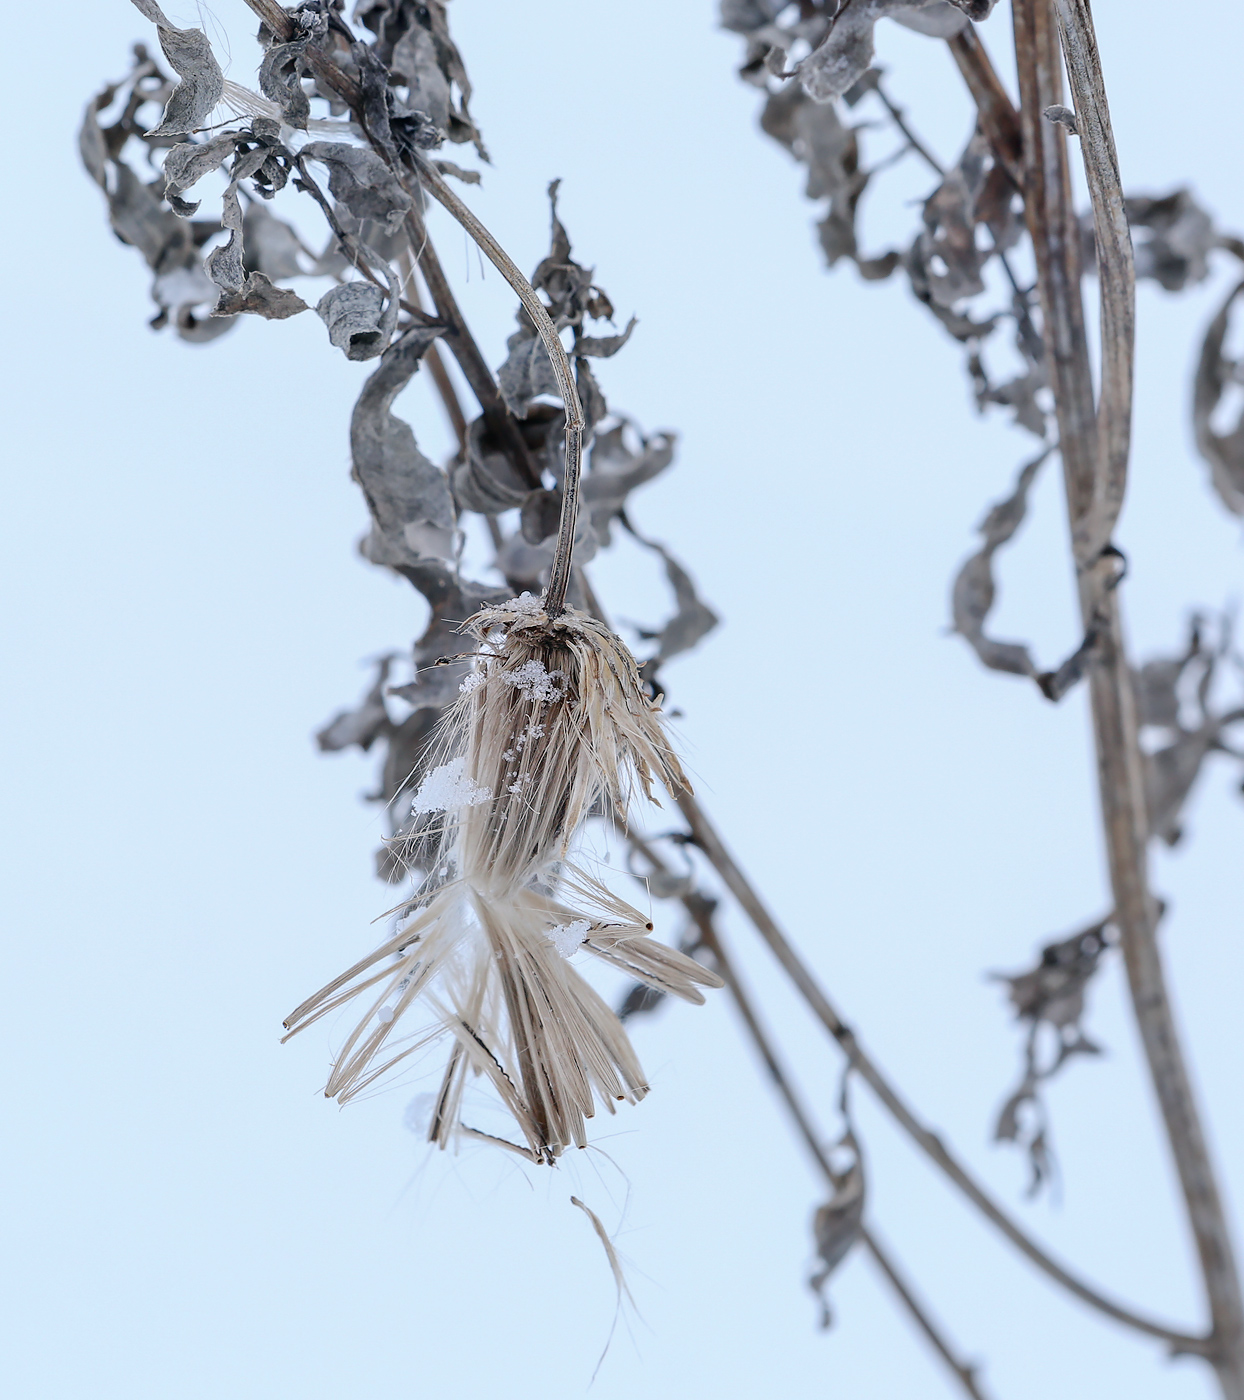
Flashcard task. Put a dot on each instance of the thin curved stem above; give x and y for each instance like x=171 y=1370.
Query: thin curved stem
x=1116 y=277
x=559 y=573
x=928 y=1141
x=701 y=912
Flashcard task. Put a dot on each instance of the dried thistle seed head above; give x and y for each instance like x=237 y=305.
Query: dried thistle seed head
x=495 y=977
x=553 y=724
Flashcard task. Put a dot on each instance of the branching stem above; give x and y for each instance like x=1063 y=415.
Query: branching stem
x=928 y=1141
x=701 y=911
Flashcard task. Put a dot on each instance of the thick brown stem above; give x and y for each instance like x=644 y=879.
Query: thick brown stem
x=928 y=1141
x=998 y=117
x=1052 y=225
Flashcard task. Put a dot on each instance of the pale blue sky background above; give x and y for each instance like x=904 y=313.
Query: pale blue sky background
x=184 y=1214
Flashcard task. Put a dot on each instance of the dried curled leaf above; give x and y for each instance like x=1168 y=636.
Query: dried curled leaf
x=1216 y=374
x=1180 y=236
x=974 y=591
x=412 y=511
x=362 y=182
x=972 y=599
x=366 y=723
x=1051 y=994
x=258 y=297
x=140 y=217
x=360 y=322
x=1175 y=701
x=193 y=100
x=572 y=299
x=413 y=41
x=846 y=51
x=837 y=1224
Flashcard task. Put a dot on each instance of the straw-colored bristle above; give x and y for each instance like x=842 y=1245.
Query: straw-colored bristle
x=552 y=726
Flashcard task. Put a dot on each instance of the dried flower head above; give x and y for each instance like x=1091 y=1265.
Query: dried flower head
x=551 y=727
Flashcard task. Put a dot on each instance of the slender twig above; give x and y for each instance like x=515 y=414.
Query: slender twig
x=929 y=1142
x=559 y=572
x=500 y=421
x=701 y=911
x=964 y=1371
x=1052 y=225
x=898 y=117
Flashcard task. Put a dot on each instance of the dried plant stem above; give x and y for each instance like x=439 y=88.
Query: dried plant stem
x=470 y=358
x=998 y=117
x=929 y=1142
x=963 y=1371
x=1052 y=225
x=559 y=573
x=1116 y=278
x=701 y=910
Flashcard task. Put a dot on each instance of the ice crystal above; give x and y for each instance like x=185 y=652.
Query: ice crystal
x=448 y=787
x=537 y=684
x=566 y=938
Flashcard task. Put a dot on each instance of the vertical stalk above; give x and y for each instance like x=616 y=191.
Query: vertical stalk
x=1052 y=225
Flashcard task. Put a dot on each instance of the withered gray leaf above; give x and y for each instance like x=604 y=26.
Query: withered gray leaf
x=202 y=83
x=836 y=1225
x=1170 y=774
x=92 y=147
x=1190 y=726
x=257 y=296
x=140 y=219
x=973 y=594
x=441 y=667
x=813 y=134
x=525 y=373
x=447 y=167
x=614 y=471
x=591 y=399
x=1214 y=374
x=271 y=245
x=487 y=481
x=938 y=21
x=187 y=163
x=408 y=496
x=693 y=619
x=279 y=75
x=845 y=53
x=602 y=346
x=949 y=259
x=1178 y=238
x=1050 y=994
x=541 y=512
x=357 y=319
x=414 y=41
x=366 y=723
x=362 y=182
x=224 y=265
